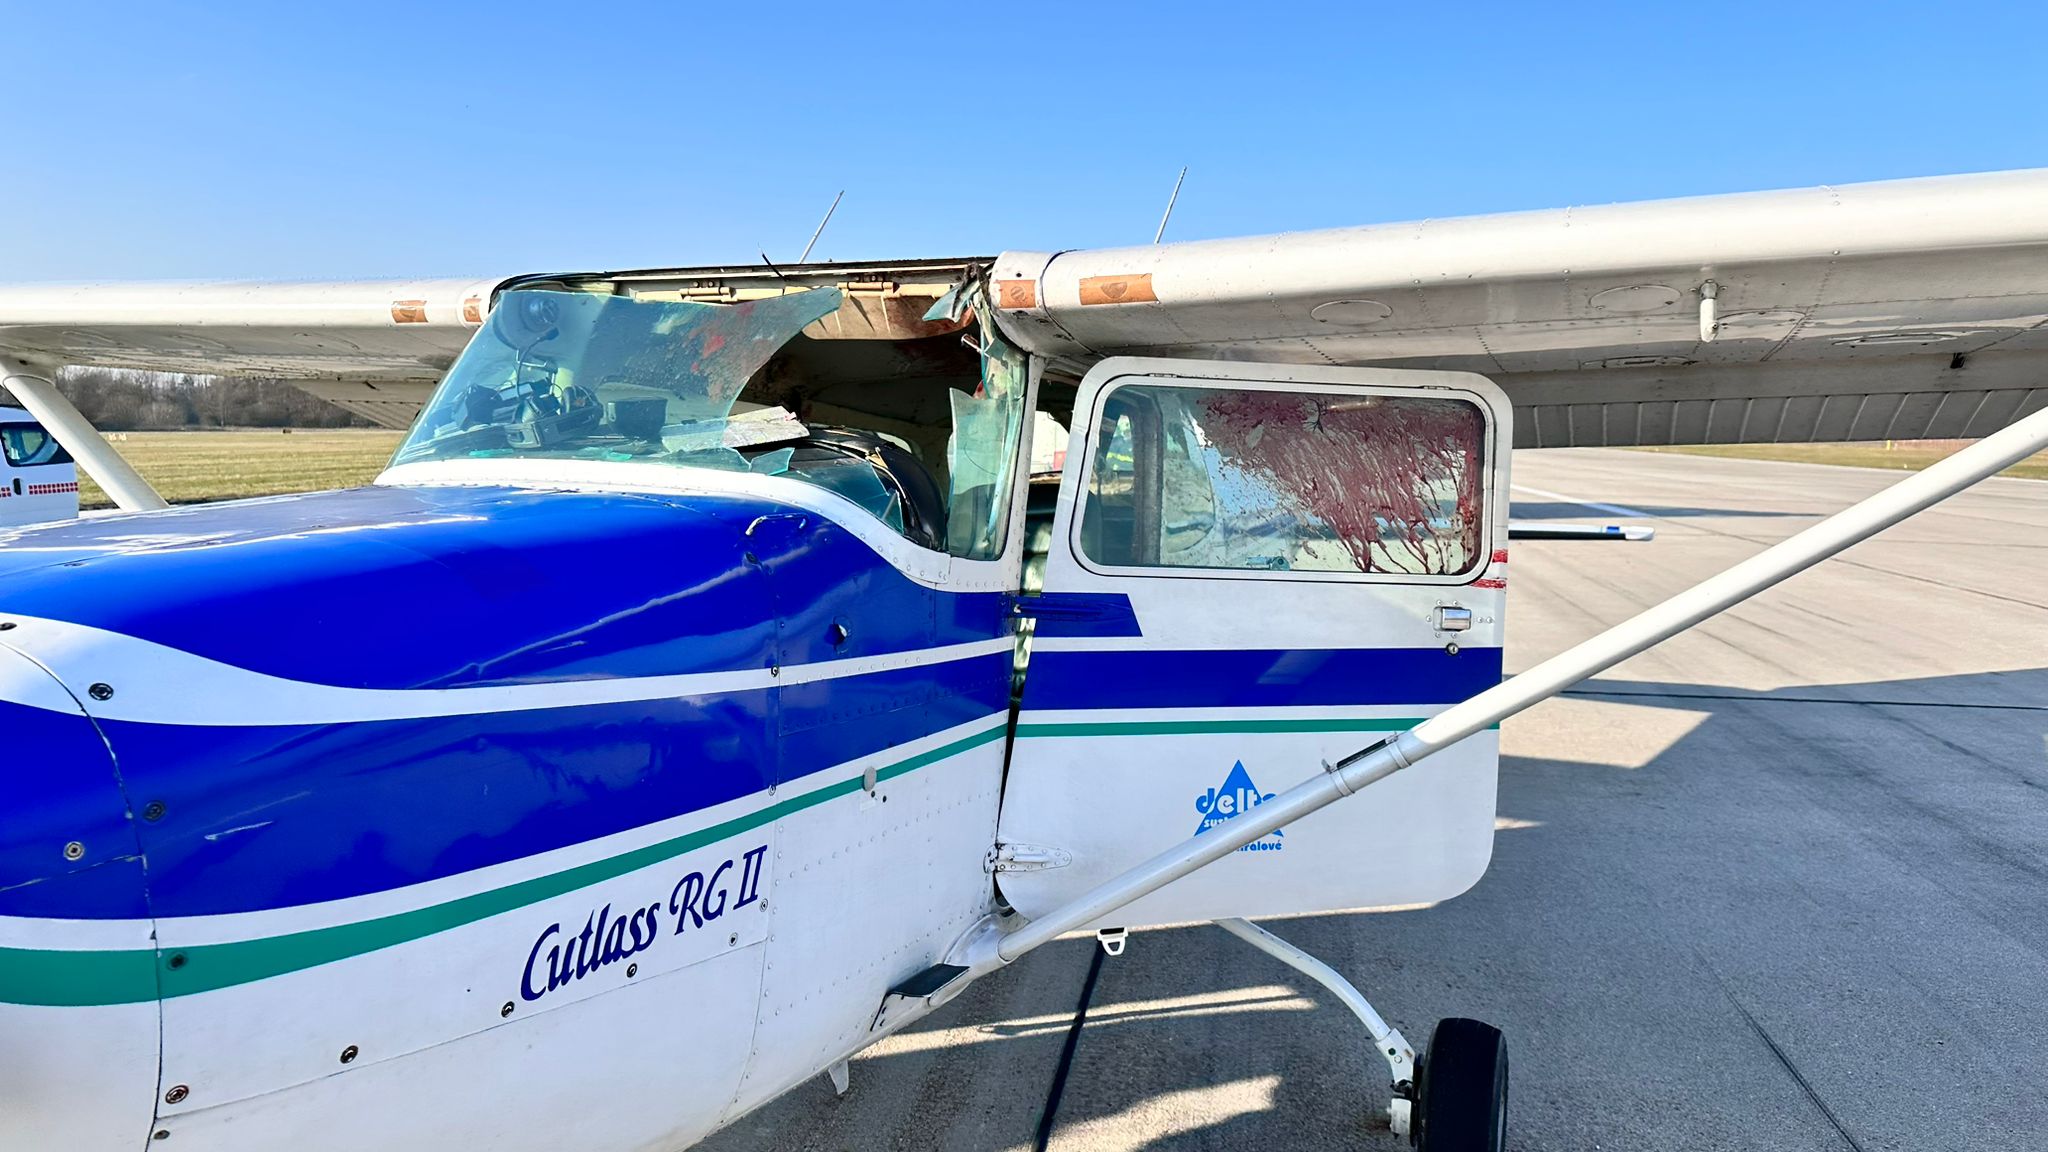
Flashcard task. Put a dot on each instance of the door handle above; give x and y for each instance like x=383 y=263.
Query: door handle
x=1076 y=613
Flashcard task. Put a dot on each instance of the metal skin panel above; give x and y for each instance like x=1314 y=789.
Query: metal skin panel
x=669 y=919
x=1240 y=683
x=348 y=330
x=631 y=1069
x=1892 y=279
x=73 y=1074
x=410 y=756
x=1852 y=295
x=870 y=890
x=410 y=588
x=1947 y=238
x=675 y=597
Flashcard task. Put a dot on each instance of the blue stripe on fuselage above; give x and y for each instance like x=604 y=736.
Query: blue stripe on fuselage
x=62 y=791
x=271 y=817
x=440 y=588
x=1256 y=678
x=389 y=587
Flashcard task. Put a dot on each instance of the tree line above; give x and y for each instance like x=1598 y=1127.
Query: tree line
x=125 y=400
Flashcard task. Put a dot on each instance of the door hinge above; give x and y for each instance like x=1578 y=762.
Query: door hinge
x=1024 y=858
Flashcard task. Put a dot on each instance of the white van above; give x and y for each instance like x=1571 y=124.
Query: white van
x=37 y=479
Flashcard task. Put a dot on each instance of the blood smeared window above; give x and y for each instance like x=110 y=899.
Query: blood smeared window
x=1319 y=482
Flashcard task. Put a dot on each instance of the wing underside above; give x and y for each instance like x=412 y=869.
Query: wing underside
x=374 y=347
x=1906 y=309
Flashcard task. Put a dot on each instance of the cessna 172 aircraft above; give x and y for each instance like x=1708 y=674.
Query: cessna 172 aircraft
x=38 y=482
x=705 y=691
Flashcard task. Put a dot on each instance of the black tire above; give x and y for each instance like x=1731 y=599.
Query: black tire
x=1462 y=1092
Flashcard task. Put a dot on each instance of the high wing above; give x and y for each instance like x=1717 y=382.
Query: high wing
x=375 y=347
x=1904 y=309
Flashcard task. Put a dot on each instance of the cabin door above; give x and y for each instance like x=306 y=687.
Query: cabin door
x=1255 y=568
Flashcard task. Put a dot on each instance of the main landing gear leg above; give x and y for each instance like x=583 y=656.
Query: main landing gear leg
x=1398 y=1053
x=1458 y=1102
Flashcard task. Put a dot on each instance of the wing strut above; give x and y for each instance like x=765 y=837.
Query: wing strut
x=61 y=419
x=987 y=950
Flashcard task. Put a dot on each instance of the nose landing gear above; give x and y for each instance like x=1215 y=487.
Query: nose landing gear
x=1456 y=1100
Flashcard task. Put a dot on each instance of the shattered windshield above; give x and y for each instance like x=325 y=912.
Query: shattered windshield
x=600 y=376
x=582 y=376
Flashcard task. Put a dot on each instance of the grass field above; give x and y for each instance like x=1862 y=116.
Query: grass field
x=1903 y=455
x=190 y=467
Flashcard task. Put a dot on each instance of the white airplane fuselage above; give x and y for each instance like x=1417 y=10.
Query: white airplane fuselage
x=38 y=482
x=592 y=802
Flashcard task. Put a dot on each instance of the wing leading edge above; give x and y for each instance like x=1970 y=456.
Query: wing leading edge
x=375 y=347
x=1910 y=308
x=1903 y=309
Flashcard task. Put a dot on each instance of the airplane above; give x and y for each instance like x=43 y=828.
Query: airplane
x=707 y=689
x=38 y=481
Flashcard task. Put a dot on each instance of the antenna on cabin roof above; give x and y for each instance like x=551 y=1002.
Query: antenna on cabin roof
x=821 y=228
x=1169 y=204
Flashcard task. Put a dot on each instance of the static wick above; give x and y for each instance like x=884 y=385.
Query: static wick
x=828 y=220
x=1169 y=205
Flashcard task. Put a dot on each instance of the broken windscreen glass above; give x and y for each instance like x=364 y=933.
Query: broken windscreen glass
x=587 y=376
x=981 y=456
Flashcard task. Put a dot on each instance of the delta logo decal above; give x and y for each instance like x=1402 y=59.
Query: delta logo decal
x=1236 y=794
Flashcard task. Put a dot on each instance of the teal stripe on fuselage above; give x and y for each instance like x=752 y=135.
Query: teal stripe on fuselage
x=121 y=976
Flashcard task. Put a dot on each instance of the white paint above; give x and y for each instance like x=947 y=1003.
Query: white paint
x=1378 y=763
x=871 y=893
x=1114 y=799
x=925 y=566
x=633 y=1069
x=48 y=492
x=1795 y=274
x=1521 y=275
x=90 y=1080
x=857 y=896
x=333 y=330
x=401 y=1000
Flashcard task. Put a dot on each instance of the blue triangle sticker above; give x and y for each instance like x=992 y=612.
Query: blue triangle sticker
x=1236 y=794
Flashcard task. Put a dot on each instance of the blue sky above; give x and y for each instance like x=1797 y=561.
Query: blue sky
x=384 y=139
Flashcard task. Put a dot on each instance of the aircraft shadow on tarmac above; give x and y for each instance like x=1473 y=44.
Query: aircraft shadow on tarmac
x=1784 y=925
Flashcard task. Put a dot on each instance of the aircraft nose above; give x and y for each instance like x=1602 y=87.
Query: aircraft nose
x=78 y=999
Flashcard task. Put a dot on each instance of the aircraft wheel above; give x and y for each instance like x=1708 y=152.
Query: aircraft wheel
x=1462 y=1092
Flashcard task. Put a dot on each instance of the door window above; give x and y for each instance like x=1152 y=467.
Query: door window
x=26 y=445
x=1300 y=481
